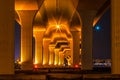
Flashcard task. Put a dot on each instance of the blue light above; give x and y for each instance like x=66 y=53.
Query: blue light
x=97 y=28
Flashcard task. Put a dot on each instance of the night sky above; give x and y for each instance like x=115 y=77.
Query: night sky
x=101 y=38
x=17 y=40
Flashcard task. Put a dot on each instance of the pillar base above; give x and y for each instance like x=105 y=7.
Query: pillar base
x=27 y=66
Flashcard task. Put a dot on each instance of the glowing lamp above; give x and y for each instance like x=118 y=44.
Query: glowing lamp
x=76 y=66
x=35 y=66
x=57 y=26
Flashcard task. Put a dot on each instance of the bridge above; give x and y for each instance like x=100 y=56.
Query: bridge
x=52 y=22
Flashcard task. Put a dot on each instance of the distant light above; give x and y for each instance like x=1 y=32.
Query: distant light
x=35 y=66
x=76 y=66
x=97 y=28
x=57 y=26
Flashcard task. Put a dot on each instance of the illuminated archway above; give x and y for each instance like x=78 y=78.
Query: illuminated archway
x=53 y=27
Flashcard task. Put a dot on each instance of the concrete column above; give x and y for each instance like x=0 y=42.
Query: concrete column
x=67 y=53
x=60 y=58
x=46 y=43
x=51 y=54
x=115 y=36
x=71 y=51
x=38 y=47
x=56 y=56
x=76 y=47
x=7 y=37
x=26 y=38
x=87 y=18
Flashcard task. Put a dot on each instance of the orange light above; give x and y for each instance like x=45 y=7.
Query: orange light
x=19 y=62
x=35 y=66
x=55 y=63
x=76 y=66
x=58 y=27
x=49 y=63
x=59 y=63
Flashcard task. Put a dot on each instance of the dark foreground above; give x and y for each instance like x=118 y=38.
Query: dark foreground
x=62 y=74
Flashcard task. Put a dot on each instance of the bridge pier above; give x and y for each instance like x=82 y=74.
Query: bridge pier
x=38 y=47
x=76 y=47
x=26 y=17
x=7 y=37
x=115 y=36
x=87 y=18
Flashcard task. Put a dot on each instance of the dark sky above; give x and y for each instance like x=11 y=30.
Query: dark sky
x=17 y=40
x=101 y=38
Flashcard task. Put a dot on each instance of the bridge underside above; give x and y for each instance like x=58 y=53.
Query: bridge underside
x=62 y=31
x=55 y=47
x=62 y=35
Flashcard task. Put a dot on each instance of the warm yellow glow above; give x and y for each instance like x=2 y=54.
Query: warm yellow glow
x=58 y=35
x=39 y=29
x=80 y=63
x=21 y=56
x=54 y=29
x=61 y=57
x=59 y=63
x=64 y=46
x=36 y=62
x=76 y=28
x=56 y=56
x=17 y=17
x=96 y=19
x=55 y=63
x=49 y=62
x=43 y=62
x=80 y=51
x=69 y=63
x=57 y=26
x=19 y=62
x=51 y=55
x=66 y=49
x=26 y=5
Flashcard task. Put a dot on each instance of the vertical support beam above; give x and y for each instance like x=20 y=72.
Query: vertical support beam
x=87 y=18
x=76 y=47
x=26 y=38
x=60 y=58
x=51 y=54
x=46 y=43
x=38 y=47
x=71 y=50
x=115 y=36
x=56 y=56
x=7 y=37
x=66 y=54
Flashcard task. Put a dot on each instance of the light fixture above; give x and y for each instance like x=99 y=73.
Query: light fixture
x=57 y=26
